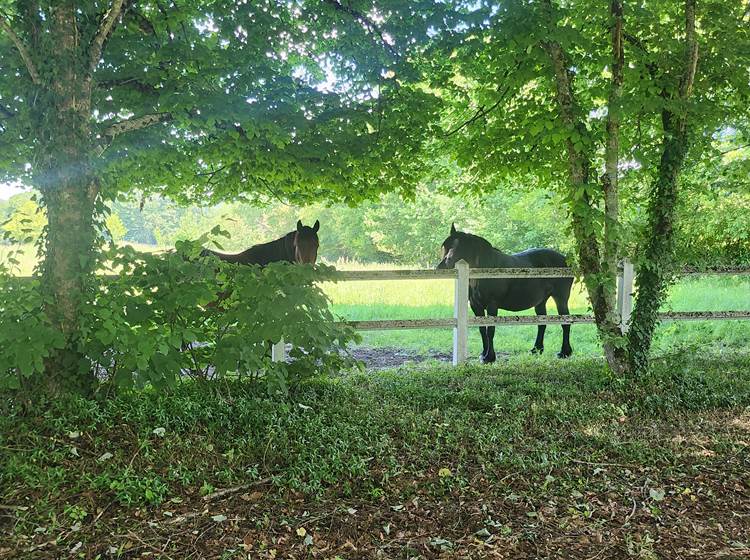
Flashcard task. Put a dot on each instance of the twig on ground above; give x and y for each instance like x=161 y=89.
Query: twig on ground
x=234 y=489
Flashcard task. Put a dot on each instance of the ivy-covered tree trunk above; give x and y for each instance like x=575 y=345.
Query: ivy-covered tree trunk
x=656 y=266
x=599 y=284
x=63 y=174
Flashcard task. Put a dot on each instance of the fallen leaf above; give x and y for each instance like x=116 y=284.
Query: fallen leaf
x=657 y=494
x=483 y=533
x=159 y=432
x=247 y=543
x=252 y=497
x=301 y=532
x=219 y=518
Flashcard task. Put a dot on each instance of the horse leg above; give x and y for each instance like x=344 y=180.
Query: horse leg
x=479 y=312
x=561 y=301
x=489 y=356
x=538 y=348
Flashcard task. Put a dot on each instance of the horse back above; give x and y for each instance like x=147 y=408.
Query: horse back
x=538 y=258
x=517 y=294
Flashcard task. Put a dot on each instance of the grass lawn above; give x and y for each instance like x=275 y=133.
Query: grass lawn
x=523 y=459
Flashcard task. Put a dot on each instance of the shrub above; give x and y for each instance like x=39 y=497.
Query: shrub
x=162 y=317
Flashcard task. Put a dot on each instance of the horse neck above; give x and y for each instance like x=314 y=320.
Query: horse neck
x=286 y=245
x=493 y=258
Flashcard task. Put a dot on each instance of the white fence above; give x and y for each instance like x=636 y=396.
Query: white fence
x=461 y=321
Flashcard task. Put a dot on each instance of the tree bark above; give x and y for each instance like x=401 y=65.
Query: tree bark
x=600 y=288
x=656 y=269
x=657 y=266
x=64 y=175
x=610 y=180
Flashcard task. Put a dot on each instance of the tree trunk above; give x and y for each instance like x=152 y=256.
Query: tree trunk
x=63 y=174
x=657 y=266
x=610 y=180
x=601 y=288
x=67 y=270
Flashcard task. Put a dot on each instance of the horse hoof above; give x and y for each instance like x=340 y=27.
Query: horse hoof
x=564 y=354
x=487 y=359
x=536 y=350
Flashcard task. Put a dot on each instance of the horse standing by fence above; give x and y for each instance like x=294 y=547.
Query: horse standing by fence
x=489 y=295
x=298 y=246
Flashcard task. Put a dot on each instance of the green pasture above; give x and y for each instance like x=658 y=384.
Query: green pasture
x=423 y=299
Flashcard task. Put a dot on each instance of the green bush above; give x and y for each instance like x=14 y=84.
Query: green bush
x=26 y=335
x=165 y=317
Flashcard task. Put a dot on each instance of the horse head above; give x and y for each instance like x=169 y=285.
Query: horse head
x=460 y=246
x=306 y=243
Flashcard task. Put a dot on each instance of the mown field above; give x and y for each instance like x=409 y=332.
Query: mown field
x=415 y=299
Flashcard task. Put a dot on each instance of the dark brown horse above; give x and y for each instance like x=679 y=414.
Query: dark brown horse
x=299 y=246
x=489 y=295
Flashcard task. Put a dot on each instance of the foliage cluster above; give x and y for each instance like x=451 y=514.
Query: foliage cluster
x=362 y=434
x=713 y=223
x=164 y=317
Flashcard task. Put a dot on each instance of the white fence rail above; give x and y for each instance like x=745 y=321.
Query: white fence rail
x=460 y=322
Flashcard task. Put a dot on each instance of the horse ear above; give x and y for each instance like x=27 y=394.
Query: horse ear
x=316 y=226
x=299 y=225
x=453 y=228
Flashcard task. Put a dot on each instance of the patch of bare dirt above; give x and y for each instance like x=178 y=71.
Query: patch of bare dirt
x=388 y=357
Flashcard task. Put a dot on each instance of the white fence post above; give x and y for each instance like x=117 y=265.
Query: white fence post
x=461 y=313
x=625 y=294
x=278 y=351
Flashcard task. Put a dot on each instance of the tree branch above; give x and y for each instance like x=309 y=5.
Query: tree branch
x=482 y=111
x=650 y=65
x=368 y=24
x=106 y=27
x=133 y=83
x=737 y=149
x=691 y=53
x=22 y=50
x=136 y=123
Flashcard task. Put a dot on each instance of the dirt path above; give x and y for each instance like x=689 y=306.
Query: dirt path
x=388 y=357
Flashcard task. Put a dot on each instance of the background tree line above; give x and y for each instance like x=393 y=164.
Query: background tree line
x=713 y=221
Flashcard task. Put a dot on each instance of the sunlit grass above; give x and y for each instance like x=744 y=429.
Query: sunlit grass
x=426 y=299
x=27 y=258
x=422 y=299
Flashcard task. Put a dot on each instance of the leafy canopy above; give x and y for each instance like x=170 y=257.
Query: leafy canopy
x=219 y=100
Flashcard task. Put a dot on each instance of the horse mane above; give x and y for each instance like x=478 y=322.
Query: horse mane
x=488 y=254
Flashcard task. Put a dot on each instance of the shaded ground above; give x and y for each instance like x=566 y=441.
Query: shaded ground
x=389 y=357
x=699 y=509
x=544 y=459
